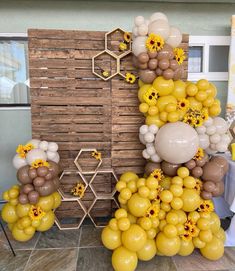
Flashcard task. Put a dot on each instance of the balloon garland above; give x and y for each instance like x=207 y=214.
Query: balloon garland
x=169 y=211
x=30 y=206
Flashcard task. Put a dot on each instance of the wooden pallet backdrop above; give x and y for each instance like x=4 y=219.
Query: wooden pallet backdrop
x=76 y=109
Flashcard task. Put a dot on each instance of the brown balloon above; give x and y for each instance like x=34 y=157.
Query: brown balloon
x=56 y=182
x=163 y=54
x=169 y=169
x=150 y=167
x=168 y=74
x=197 y=172
x=174 y=64
x=42 y=171
x=152 y=64
x=23 y=176
x=190 y=164
x=27 y=188
x=39 y=181
x=219 y=189
x=54 y=168
x=23 y=199
x=178 y=74
x=32 y=173
x=163 y=64
x=47 y=189
x=143 y=66
x=48 y=176
x=152 y=54
x=211 y=172
x=206 y=195
x=158 y=72
x=143 y=58
x=209 y=186
x=147 y=76
x=135 y=61
x=33 y=197
x=203 y=160
x=222 y=162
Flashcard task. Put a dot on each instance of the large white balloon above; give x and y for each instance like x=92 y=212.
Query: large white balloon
x=35 y=154
x=139 y=20
x=176 y=142
x=139 y=45
x=56 y=158
x=18 y=162
x=174 y=37
x=221 y=125
x=158 y=15
x=159 y=27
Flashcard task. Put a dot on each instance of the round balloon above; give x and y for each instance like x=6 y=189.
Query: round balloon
x=35 y=154
x=138 y=45
x=175 y=37
x=124 y=259
x=159 y=27
x=18 y=162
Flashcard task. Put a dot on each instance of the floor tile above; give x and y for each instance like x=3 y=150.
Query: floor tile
x=196 y=262
x=94 y=259
x=10 y=263
x=158 y=263
x=53 y=260
x=90 y=237
x=55 y=238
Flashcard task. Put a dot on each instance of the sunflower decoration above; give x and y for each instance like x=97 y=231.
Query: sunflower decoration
x=198 y=186
x=194 y=117
x=22 y=150
x=105 y=73
x=151 y=96
x=154 y=43
x=39 y=163
x=122 y=46
x=78 y=190
x=206 y=206
x=153 y=210
x=130 y=78
x=199 y=155
x=96 y=155
x=204 y=114
x=183 y=104
x=190 y=230
x=159 y=190
x=127 y=37
x=36 y=213
x=179 y=55
x=158 y=174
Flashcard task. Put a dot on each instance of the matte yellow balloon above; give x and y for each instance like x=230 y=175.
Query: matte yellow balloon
x=165 y=100
x=194 y=104
x=151 y=233
x=173 y=116
x=213 y=250
x=145 y=223
x=211 y=90
x=194 y=216
x=124 y=223
x=9 y=213
x=209 y=101
x=20 y=235
x=170 y=231
x=191 y=200
x=186 y=248
x=206 y=236
x=170 y=107
x=182 y=217
x=111 y=239
x=47 y=221
x=142 y=91
x=143 y=191
x=140 y=83
x=220 y=234
x=163 y=116
x=203 y=84
x=128 y=176
x=214 y=110
x=153 y=110
x=167 y=246
x=125 y=193
x=166 y=196
x=191 y=89
x=179 y=91
x=138 y=205
x=120 y=185
x=214 y=222
x=177 y=203
x=132 y=218
x=164 y=87
x=30 y=230
x=46 y=203
x=203 y=224
x=198 y=243
x=36 y=223
x=124 y=259
x=151 y=182
x=13 y=193
x=148 y=251
x=134 y=238
x=143 y=107
x=154 y=120
x=201 y=96
x=25 y=221
x=6 y=196
x=57 y=200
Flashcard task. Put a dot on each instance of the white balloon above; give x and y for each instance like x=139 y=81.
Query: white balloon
x=153 y=128
x=159 y=27
x=210 y=151
x=221 y=125
x=139 y=20
x=43 y=145
x=225 y=138
x=56 y=159
x=201 y=130
x=149 y=137
x=35 y=154
x=215 y=138
x=139 y=46
x=147 y=22
x=156 y=158
x=135 y=31
x=145 y=154
x=221 y=147
x=213 y=147
x=141 y=138
x=52 y=146
x=203 y=141
x=18 y=162
x=143 y=129
x=158 y=15
x=210 y=130
x=151 y=150
x=208 y=122
x=50 y=155
x=175 y=37
x=34 y=142
x=143 y=30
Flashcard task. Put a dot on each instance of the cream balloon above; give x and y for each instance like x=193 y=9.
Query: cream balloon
x=158 y=15
x=139 y=20
x=34 y=142
x=50 y=155
x=221 y=147
x=176 y=142
x=52 y=146
x=135 y=31
x=175 y=37
x=43 y=145
x=18 y=162
x=138 y=46
x=159 y=27
x=204 y=141
x=143 y=30
x=56 y=158
x=220 y=125
x=201 y=129
x=35 y=154
x=156 y=158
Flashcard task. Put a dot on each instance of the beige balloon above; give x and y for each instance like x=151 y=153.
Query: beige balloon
x=160 y=27
x=138 y=45
x=175 y=37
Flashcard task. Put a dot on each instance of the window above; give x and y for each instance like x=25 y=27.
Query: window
x=14 y=82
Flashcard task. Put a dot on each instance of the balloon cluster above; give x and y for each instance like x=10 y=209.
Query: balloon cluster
x=30 y=206
x=213 y=135
x=161 y=215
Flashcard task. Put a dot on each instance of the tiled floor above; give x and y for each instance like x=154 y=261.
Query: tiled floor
x=81 y=250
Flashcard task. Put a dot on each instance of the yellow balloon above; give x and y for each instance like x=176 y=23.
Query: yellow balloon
x=57 y=200
x=120 y=185
x=191 y=89
x=46 y=203
x=206 y=236
x=182 y=217
x=214 y=110
x=163 y=116
x=163 y=86
x=191 y=200
x=179 y=91
x=134 y=238
x=165 y=100
x=220 y=234
x=111 y=239
x=194 y=104
x=213 y=250
x=142 y=91
x=177 y=203
x=151 y=233
x=113 y=224
x=132 y=218
x=214 y=222
x=20 y=235
x=125 y=193
x=120 y=213
x=153 y=110
x=203 y=224
x=22 y=209
x=170 y=231
x=132 y=186
x=143 y=191
x=47 y=221
x=203 y=84
x=151 y=182
x=30 y=230
x=10 y=226
x=145 y=223
x=36 y=223
x=166 y=196
x=25 y=221
x=124 y=259
x=14 y=202
x=201 y=96
x=138 y=205
x=143 y=107
x=13 y=193
x=6 y=196
x=124 y=224
x=167 y=246
x=209 y=101
x=211 y=90
x=140 y=83
x=186 y=248
x=128 y=176
x=154 y=120
x=194 y=216
x=9 y=213
x=148 y=251
x=198 y=243
x=173 y=116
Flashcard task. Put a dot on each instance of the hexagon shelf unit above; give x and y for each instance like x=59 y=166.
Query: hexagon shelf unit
x=125 y=65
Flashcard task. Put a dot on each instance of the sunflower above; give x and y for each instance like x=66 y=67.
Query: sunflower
x=183 y=104
x=206 y=206
x=153 y=210
x=127 y=37
x=105 y=73
x=150 y=96
x=157 y=174
x=179 y=55
x=36 y=213
x=159 y=190
x=96 y=155
x=204 y=114
x=198 y=122
x=188 y=120
x=78 y=190
x=198 y=186
x=39 y=163
x=190 y=230
x=199 y=155
x=22 y=150
x=122 y=46
x=130 y=78
x=154 y=42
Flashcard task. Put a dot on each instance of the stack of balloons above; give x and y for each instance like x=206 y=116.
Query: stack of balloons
x=30 y=206
x=170 y=210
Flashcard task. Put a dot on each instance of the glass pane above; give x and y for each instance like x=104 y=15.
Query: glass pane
x=195 y=59
x=218 y=58
x=14 y=72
